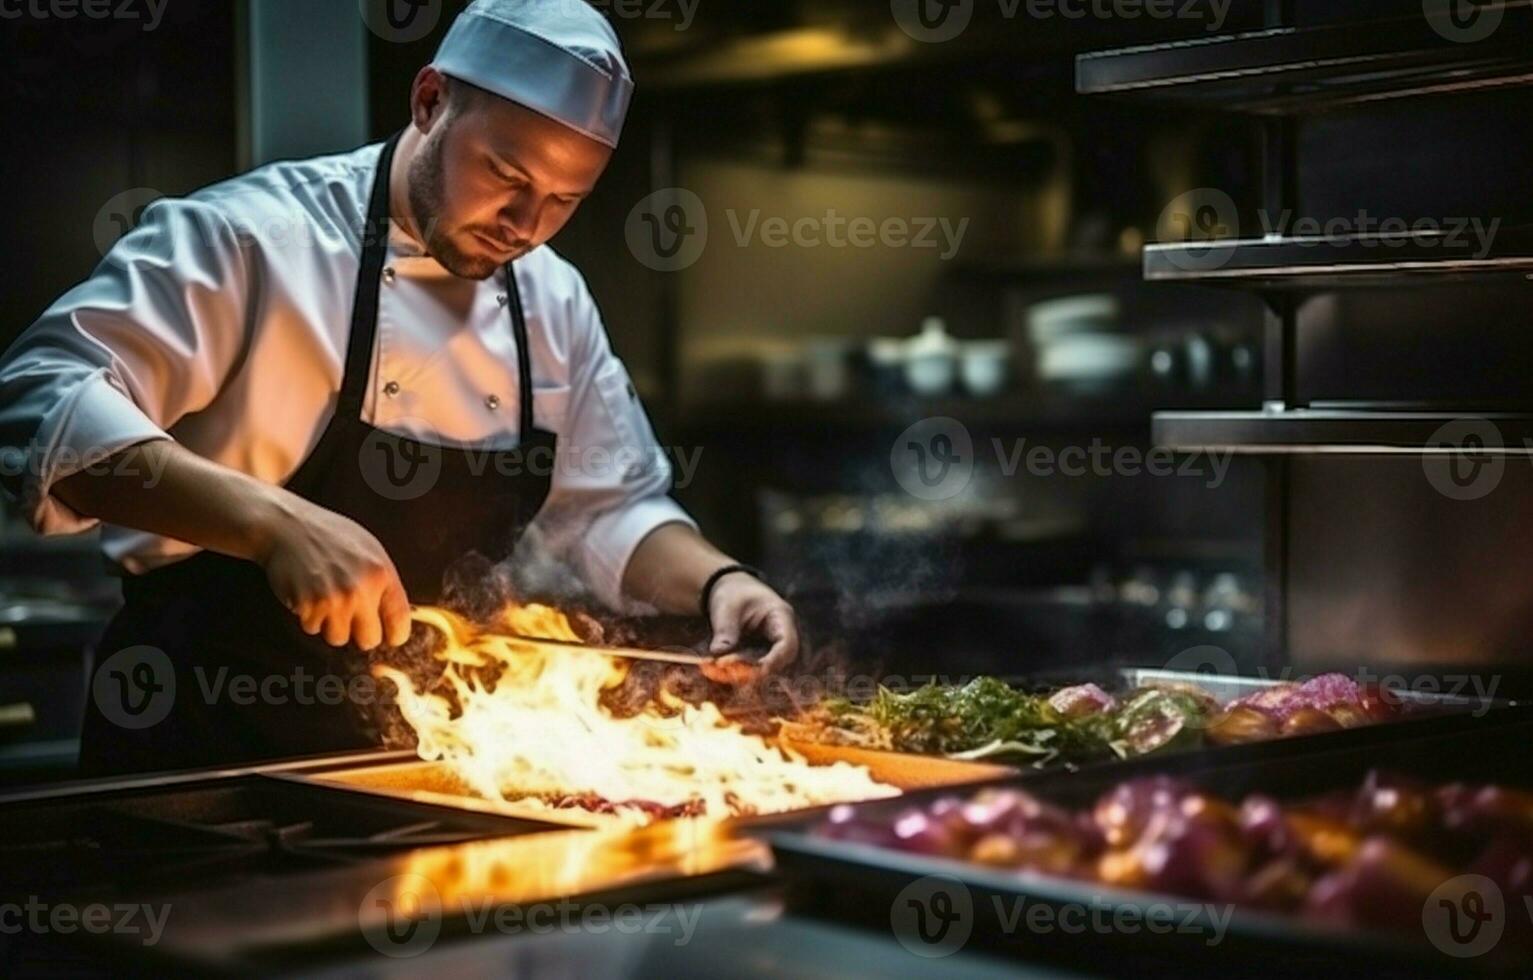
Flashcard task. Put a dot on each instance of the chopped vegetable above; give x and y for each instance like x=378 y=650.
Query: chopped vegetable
x=989 y=719
x=1370 y=856
x=1155 y=719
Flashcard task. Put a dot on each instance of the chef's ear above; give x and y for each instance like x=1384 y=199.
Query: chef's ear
x=429 y=98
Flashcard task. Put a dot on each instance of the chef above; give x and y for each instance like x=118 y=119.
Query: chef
x=294 y=399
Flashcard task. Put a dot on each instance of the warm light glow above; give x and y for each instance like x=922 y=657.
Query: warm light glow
x=545 y=866
x=532 y=730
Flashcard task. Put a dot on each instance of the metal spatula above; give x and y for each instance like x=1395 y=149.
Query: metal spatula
x=631 y=653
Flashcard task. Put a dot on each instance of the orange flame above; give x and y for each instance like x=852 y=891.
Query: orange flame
x=537 y=732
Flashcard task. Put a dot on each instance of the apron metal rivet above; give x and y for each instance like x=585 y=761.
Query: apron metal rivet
x=493 y=401
x=501 y=299
x=388 y=275
x=391 y=389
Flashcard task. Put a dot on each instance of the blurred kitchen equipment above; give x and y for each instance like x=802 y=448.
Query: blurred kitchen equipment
x=931 y=359
x=1198 y=358
x=1078 y=344
x=1089 y=363
x=886 y=365
x=827 y=371
x=782 y=374
x=1054 y=319
x=985 y=366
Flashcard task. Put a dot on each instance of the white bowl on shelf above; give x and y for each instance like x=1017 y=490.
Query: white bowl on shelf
x=1056 y=319
x=1089 y=359
x=985 y=366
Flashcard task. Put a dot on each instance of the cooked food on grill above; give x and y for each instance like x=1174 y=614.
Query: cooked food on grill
x=1368 y=857
x=988 y=718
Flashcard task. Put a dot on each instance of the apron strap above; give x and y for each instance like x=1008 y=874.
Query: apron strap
x=523 y=356
x=364 y=307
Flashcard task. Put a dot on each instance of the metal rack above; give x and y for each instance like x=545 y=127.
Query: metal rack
x=1281 y=76
x=1286 y=69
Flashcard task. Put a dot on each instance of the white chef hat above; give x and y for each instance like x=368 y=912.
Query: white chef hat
x=557 y=57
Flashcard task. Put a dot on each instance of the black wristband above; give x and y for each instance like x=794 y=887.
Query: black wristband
x=713 y=580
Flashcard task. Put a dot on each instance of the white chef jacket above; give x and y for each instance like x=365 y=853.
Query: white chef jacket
x=222 y=321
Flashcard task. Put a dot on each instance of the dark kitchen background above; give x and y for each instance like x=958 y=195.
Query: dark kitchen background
x=794 y=370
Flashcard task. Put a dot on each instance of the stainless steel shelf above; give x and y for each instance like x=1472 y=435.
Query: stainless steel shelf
x=1288 y=70
x=1351 y=260
x=1317 y=431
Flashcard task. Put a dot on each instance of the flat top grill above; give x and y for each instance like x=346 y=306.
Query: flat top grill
x=228 y=830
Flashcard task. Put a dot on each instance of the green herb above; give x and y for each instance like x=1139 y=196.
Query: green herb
x=986 y=718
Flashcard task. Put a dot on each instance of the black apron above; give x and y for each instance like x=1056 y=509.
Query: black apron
x=247 y=681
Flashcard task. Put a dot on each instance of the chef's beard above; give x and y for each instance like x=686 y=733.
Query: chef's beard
x=428 y=195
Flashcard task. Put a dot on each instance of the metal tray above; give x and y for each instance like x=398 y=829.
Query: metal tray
x=1227 y=687
x=863 y=882
x=1426 y=707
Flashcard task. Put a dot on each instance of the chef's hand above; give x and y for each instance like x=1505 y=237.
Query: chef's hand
x=335 y=577
x=744 y=606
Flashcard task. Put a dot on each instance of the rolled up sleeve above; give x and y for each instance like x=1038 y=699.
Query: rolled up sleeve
x=121 y=357
x=612 y=480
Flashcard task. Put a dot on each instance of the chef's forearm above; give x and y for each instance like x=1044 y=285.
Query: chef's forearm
x=166 y=489
x=670 y=567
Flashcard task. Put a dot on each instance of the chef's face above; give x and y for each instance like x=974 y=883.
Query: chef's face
x=493 y=180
